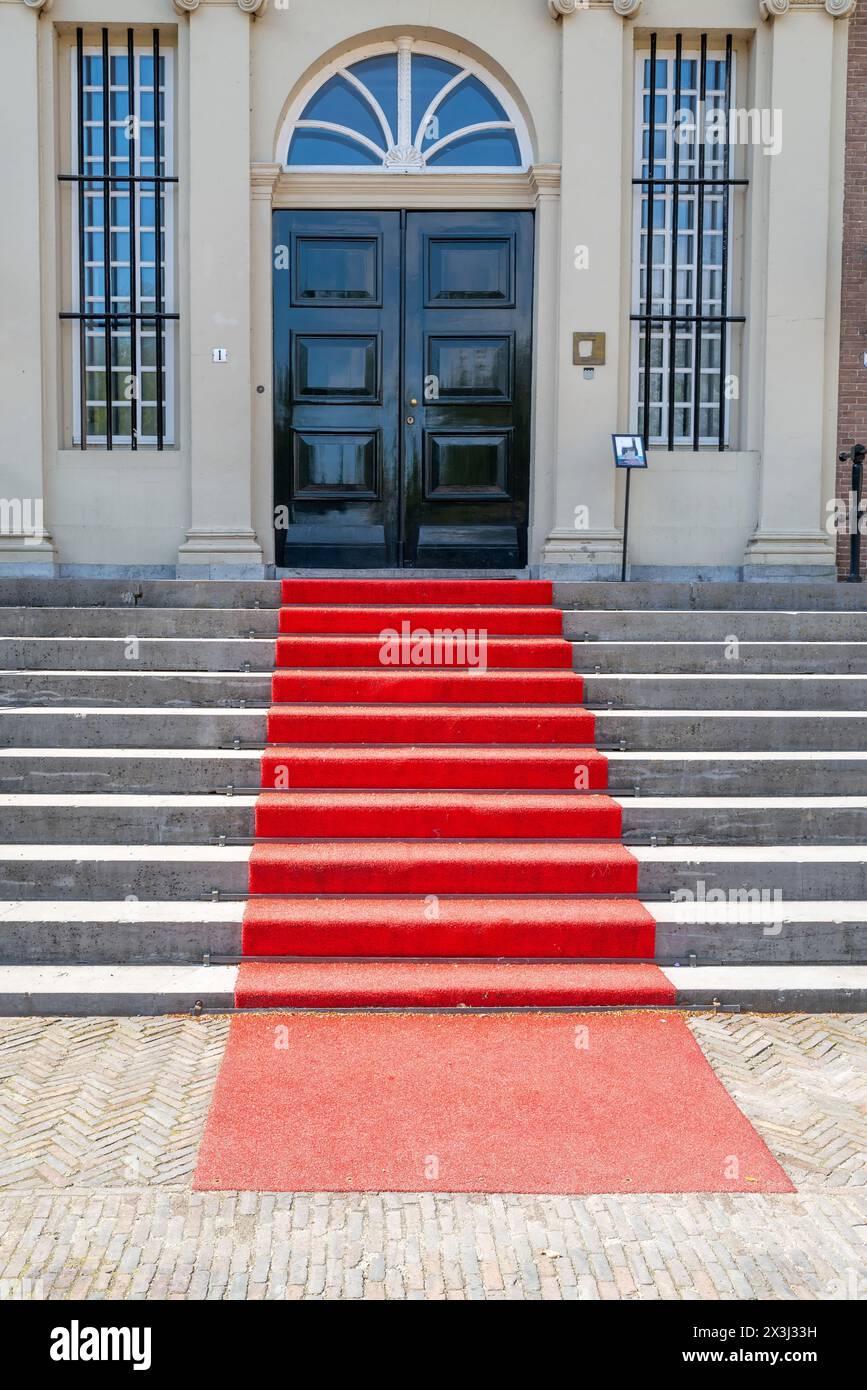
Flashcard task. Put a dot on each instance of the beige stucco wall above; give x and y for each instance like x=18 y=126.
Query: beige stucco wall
x=208 y=501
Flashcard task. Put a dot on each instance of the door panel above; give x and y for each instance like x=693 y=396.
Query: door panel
x=466 y=467
x=402 y=388
x=467 y=272
x=337 y=368
x=467 y=362
x=473 y=370
x=337 y=270
x=336 y=376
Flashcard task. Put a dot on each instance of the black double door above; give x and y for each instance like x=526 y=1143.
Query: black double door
x=402 y=388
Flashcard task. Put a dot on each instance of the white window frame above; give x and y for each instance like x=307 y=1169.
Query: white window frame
x=682 y=443
x=144 y=441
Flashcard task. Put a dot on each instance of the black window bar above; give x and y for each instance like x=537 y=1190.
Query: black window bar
x=699 y=185
x=107 y=318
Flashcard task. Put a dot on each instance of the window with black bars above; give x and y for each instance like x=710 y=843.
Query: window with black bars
x=122 y=218
x=683 y=384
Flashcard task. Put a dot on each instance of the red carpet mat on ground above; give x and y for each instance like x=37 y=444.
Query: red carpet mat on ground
x=566 y=1103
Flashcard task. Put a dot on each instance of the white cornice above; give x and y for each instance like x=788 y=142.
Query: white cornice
x=291 y=188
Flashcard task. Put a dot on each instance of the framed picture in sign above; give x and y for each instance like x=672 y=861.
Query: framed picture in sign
x=629 y=451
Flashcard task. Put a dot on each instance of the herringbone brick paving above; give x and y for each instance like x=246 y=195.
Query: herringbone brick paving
x=104 y=1102
x=802 y=1081
x=100 y=1121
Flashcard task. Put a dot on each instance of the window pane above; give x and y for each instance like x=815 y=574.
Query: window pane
x=339 y=103
x=94 y=349
x=379 y=76
x=497 y=147
x=324 y=147
x=429 y=76
x=470 y=103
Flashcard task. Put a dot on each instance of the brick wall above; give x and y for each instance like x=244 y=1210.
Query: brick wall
x=853 y=336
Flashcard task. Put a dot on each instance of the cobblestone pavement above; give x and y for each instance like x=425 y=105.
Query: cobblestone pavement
x=100 y=1121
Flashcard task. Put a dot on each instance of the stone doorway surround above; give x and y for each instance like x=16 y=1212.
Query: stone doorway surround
x=537 y=189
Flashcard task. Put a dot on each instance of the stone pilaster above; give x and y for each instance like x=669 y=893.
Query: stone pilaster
x=591 y=237
x=24 y=541
x=221 y=535
x=798 y=294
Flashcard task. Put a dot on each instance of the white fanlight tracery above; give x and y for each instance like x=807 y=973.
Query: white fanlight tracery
x=392 y=130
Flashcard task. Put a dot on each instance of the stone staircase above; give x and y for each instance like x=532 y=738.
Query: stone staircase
x=133 y=718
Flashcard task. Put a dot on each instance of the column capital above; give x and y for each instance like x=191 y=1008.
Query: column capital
x=40 y=6
x=837 y=9
x=250 y=7
x=627 y=9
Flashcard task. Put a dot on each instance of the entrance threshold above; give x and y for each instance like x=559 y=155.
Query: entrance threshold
x=356 y=573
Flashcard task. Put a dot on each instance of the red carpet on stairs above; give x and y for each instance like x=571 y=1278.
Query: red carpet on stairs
x=514 y=928
x=448 y=984
x=435 y=836
x=436 y=794
x=439 y=768
x=442 y=866
x=565 y=1103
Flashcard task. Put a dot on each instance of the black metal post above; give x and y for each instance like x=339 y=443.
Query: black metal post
x=724 y=287
x=649 y=242
x=82 y=241
x=625 y=525
x=673 y=298
x=856 y=454
x=107 y=185
x=699 y=269
x=159 y=306
x=132 y=165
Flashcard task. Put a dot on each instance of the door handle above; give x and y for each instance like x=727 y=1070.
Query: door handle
x=413 y=401
x=410 y=419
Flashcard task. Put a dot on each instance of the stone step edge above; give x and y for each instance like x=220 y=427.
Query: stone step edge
x=236 y=712
x=199 y=800
x=594 y=644
x=496 y=675
x=240 y=854
x=229 y=755
x=171 y=911
x=83 y=990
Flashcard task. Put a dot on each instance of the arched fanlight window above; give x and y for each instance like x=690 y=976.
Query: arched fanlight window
x=406 y=107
